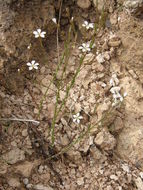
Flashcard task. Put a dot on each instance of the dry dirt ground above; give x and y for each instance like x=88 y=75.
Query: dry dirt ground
x=110 y=156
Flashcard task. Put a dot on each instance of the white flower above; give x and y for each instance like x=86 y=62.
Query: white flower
x=54 y=20
x=116 y=95
x=100 y=58
x=85 y=47
x=88 y=25
x=38 y=33
x=77 y=118
x=114 y=81
x=32 y=65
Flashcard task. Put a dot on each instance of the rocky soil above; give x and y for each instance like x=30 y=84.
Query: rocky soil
x=109 y=156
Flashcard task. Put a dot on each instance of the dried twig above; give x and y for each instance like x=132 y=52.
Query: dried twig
x=21 y=120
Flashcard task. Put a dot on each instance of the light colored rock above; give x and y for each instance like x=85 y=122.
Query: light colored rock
x=29 y=186
x=84 y=4
x=62 y=94
x=101 y=109
x=13 y=182
x=126 y=168
x=25 y=181
x=3 y=166
x=141 y=174
x=114 y=177
x=130 y=141
x=97 y=66
x=74 y=156
x=80 y=181
x=114 y=19
x=77 y=107
x=100 y=58
x=64 y=122
x=109 y=187
x=25 y=168
x=105 y=140
x=42 y=187
x=97 y=155
x=133 y=74
x=114 y=42
x=24 y=133
x=117 y=126
x=106 y=55
x=139 y=183
x=14 y=156
x=134 y=6
x=88 y=59
x=100 y=4
x=41 y=169
x=46 y=81
x=64 y=140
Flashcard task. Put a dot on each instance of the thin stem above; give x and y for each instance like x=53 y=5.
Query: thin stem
x=21 y=120
x=60 y=11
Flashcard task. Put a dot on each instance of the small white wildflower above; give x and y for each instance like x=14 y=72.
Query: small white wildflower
x=38 y=33
x=32 y=65
x=88 y=25
x=100 y=58
x=54 y=20
x=114 y=81
x=116 y=95
x=85 y=47
x=77 y=118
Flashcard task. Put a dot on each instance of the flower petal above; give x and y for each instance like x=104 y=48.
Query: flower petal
x=36 y=64
x=83 y=50
x=74 y=120
x=80 y=47
x=39 y=30
x=80 y=117
x=37 y=36
x=35 y=32
x=33 y=61
x=35 y=67
x=78 y=114
x=54 y=20
x=42 y=35
x=28 y=64
x=30 y=68
x=78 y=121
x=85 y=22
x=91 y=25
